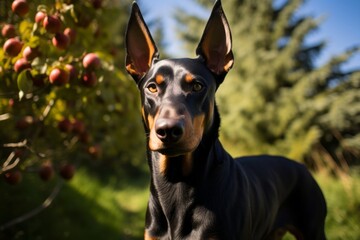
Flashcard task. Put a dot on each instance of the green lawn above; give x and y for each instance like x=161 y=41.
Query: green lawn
x=343 y=200
x=90 y=208
x=86 y=208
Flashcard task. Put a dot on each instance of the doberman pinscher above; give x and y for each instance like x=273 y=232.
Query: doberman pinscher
x=197 y=190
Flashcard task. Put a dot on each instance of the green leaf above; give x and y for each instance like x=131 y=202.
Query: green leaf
x=73 y=15
x=25 y=29
x=42 y=7
x=24 y=82
x=34 y=41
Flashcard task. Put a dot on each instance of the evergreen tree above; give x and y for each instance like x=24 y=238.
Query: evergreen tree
x=276 y=100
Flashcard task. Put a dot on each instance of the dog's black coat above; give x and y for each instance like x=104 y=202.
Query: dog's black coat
x=197 y=190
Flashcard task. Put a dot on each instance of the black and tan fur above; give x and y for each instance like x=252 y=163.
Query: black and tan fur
x=197 y=190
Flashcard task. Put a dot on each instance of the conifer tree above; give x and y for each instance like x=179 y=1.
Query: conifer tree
x=276 y=100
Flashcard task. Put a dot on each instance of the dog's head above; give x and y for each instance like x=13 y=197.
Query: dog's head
x=178 y=94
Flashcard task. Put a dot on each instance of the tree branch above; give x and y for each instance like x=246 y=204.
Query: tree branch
x=37 y=210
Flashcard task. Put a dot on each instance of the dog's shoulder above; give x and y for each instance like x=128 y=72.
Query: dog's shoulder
x=263 y=166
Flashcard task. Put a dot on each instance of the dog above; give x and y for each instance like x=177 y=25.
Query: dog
x=197 y=190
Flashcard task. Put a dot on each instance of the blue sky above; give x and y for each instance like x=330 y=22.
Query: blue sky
x=340 y=28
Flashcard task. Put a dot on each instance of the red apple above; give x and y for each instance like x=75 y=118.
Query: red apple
x=30 y=53
x=21 y=64
x=91 y=61
x=95 y=151
x=20 y=7
x=11 y=102
x=65 y=125
x=59 y=77
x=71 y=34
x=89 y=79
x=46 y=172
x=12 y=47
x=24 y=122
x=67 y=171
x=78 y=127
x=13 y=177
x=8 y=31
x=61 y=41
x=40 y=16
x=72 y=71
x=84 y=137
x=52 y=24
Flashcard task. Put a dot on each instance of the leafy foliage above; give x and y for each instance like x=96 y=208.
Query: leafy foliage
x=85 y=114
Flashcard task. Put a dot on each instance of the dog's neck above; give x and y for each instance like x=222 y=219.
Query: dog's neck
x=183 y=184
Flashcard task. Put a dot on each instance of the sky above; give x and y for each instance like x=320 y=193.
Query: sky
x=340 y=28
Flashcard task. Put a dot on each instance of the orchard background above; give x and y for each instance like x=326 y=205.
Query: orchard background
x=72 y=160
x=66 y=107
x=64 y=96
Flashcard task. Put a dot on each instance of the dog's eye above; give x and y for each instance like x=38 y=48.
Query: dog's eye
x=197 y=87
x=152 y=87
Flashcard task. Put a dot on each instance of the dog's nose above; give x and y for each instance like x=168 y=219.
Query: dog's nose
x=169 y=130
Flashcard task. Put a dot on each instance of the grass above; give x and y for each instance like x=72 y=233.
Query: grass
x=86 y=208
x=343 y=200
x=90 y=208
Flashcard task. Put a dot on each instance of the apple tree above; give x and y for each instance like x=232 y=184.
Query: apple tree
x=65 y=101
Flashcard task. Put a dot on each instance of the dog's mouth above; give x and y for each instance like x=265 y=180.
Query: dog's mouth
x=173 y=149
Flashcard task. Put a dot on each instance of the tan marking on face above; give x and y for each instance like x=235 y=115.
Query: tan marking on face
x=143 y=113
x=159 y=79
x=150 y=121
x=198 y=125
x=189 y=78
x=154 y=143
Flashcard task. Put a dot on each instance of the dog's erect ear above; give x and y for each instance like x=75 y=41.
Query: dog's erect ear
x=215 y=43
x=140 y=47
